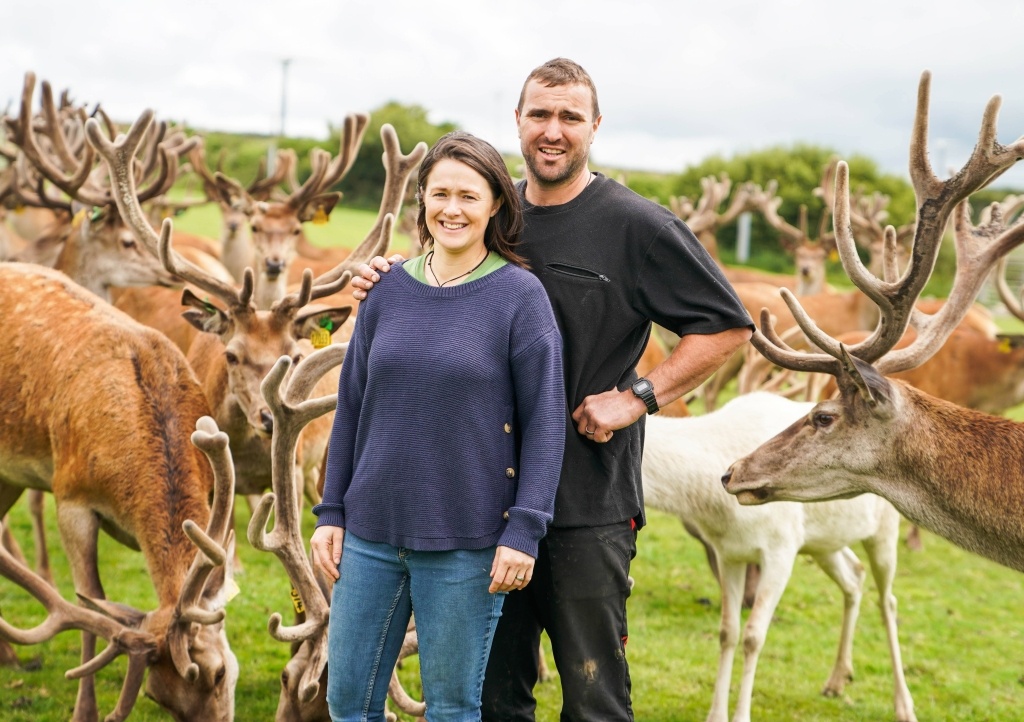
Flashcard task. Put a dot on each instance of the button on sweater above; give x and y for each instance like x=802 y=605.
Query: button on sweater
x=451 y=416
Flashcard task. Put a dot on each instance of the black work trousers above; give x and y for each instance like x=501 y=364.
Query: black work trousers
x=578 y=595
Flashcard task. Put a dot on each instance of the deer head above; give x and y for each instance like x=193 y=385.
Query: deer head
x=846 y=441
x=56 y=169
x=192 y=670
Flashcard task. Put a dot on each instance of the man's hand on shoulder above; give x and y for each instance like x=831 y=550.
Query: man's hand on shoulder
x=366 y=274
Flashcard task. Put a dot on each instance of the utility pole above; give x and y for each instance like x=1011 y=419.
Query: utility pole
x=272 y=149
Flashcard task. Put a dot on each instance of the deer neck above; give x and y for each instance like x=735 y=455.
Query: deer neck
x=952 y=470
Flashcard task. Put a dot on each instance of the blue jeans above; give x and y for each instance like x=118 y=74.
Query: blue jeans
x=380 y=586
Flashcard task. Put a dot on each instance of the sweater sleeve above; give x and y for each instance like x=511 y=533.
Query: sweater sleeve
x=537 y=376
x=341 y=445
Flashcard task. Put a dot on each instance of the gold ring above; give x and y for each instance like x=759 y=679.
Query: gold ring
x=590 y=432
x=519 y=579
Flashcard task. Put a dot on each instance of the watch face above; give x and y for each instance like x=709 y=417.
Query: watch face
x=642 y=386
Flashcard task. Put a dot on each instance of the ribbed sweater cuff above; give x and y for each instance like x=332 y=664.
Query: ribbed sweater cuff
x=524 y=531
x=329 y=515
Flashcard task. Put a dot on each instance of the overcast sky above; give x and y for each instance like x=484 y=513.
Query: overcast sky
x=677 y=81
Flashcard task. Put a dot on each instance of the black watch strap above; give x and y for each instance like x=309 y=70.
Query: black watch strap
x=643 y=389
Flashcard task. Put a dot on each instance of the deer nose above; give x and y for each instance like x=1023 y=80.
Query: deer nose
x=726 y=477
x=274 y=266
x=268 y=420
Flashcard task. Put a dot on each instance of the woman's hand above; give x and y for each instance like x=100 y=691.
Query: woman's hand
x=511 y=569
x=326 y=545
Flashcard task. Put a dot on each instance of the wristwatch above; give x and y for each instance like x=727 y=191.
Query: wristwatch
x=644 y=390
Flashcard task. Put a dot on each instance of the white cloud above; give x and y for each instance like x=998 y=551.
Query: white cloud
x=677 y=81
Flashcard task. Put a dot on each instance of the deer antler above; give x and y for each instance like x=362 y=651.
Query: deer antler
x=214 y=545
x=978 y=250
x=398 y=170
x=325 y=172
x=292 y=412
x=62 y=616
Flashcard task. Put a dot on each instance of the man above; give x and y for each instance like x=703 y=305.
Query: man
x=611 y=262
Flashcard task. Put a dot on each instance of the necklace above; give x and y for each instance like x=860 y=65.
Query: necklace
x=430 y=260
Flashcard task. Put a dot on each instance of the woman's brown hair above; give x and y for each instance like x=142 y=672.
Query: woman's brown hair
x=506 y=226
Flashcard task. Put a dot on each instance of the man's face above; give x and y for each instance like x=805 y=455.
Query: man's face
x=556 y=127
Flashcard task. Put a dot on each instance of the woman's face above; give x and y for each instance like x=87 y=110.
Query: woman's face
x=458 y=204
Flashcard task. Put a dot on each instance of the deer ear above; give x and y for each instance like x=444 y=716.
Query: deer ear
x=319 y=207
x=121 y=613
x=204 y=315
x=862 y=378
x=311 y=318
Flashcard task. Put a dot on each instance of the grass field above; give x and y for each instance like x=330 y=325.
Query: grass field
x=959 y=627
x=959 y=623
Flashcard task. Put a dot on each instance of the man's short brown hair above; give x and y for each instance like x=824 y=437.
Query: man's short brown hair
x=558 y=72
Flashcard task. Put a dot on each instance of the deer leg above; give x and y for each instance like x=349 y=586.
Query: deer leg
x=776 y=568
x=730 y=577
x=882 y=552
x=845 y=569
x=79 y=530
x=914 y=542
x=36 y=505
x=9 y=494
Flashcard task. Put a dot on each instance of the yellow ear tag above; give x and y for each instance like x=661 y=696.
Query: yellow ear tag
x=320 y=217
x=833 y=255
x=297 y=604
x=1005 y=346
x=19 y=209
x=320 y=337
x=77 y=220
x=231 y=590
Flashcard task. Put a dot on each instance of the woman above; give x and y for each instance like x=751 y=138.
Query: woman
x=446 y=447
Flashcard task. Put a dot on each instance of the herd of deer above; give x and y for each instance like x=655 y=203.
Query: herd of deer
x=151 y=376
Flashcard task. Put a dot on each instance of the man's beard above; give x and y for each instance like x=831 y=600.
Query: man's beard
x=550 y=177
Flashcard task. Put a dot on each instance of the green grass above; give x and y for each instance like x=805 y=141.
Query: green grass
x=959 y=628
x=345 y=227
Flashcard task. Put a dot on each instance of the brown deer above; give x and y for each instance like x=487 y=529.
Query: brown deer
x=93 y=246
x=240 y=343
x=277 y=226
x=111 y=442
x=952 y=470
x=705 y=218
x=237 y=251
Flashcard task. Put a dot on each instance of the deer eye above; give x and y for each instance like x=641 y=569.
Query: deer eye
x=296 y=358
x=296 y=231
x=823 y=420
x=219 y=677
x=128 y=243
x=232 y=359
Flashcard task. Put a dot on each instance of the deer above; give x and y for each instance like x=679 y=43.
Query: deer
x=93 y=246
x=239 y=343
x=952 y=470
x=303 y=682
x=704 y=218
x=237 y=251
x=276 y=225
x=113 y=447
x=681 y=466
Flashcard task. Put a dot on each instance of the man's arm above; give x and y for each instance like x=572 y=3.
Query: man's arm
x=693 y=360
x=363 y=281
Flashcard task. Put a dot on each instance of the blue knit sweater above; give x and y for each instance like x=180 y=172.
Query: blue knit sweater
x=451 y=416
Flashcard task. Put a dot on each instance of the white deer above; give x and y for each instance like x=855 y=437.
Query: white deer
x=682 y=461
